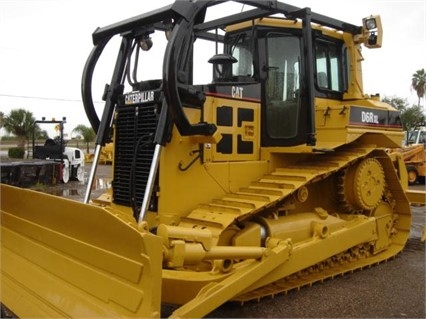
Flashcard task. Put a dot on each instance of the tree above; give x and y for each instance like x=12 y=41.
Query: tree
x=87 y=133
x=418 y=83
x=399 y=103
x=1 y=119
x=20 y=123
x=410 y=116
x=41 y=135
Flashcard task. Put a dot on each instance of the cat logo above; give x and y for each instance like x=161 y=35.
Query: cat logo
x=237 y=92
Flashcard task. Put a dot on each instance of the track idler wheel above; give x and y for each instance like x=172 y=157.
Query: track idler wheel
x=362 y=186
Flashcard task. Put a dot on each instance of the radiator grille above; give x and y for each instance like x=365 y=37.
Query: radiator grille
x=134 y=130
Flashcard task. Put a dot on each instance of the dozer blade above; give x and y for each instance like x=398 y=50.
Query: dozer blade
x=62 y=258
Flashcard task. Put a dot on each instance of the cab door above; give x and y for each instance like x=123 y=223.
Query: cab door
x=281 y=72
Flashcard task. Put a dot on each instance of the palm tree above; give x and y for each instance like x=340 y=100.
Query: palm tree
x=418 y=83
x=20 y=123
x=87 y=133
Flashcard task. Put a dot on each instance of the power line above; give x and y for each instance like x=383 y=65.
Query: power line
x=45 y=98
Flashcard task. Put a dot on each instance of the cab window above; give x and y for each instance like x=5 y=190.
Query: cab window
x=329 y=64
x=282 y=85
x=242 y=51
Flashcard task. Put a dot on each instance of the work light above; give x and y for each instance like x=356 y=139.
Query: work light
x=370 y=23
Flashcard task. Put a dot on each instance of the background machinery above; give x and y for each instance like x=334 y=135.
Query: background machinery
x=416 y=136
x=71 y=159
x=106 y=156
x=270 y=176
x=414 y=155
x=52 y=161
x=415 y=160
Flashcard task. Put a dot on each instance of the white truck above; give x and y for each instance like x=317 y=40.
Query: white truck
x=416 y=136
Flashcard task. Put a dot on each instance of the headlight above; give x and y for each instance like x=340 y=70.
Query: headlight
x=370 y=23
x=146 y=43
x=372 y=32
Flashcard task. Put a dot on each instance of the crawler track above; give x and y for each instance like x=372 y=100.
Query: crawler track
x=338 y=265
x=274 y=188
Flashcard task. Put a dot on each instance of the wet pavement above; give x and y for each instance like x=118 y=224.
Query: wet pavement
x=76 y=190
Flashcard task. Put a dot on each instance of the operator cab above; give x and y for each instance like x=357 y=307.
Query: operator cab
x=417 y=136
x=273 y=57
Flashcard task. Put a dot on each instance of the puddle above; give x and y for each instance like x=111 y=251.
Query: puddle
x=101 y=183
x=75 y=189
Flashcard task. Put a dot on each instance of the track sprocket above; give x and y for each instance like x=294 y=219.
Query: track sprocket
x=361 y=186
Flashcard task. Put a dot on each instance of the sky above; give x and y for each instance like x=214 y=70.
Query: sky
x=44 y=45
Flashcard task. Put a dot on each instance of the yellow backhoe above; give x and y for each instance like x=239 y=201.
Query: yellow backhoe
x=271 y=175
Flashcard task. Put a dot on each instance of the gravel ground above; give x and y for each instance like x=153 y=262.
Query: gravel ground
x=393 y=289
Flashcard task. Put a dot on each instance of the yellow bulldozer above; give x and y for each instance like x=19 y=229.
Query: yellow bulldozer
x=270 y=176
x=415 y=160
x=106 y=155
x=414 y=155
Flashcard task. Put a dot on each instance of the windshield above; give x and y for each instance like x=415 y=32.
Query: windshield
x=412 y=137
x=416 y=137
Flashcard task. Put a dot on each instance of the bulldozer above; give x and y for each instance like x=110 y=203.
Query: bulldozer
x=414 y=155
x=268 y=177
x=106 y=155
x=415 y=160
